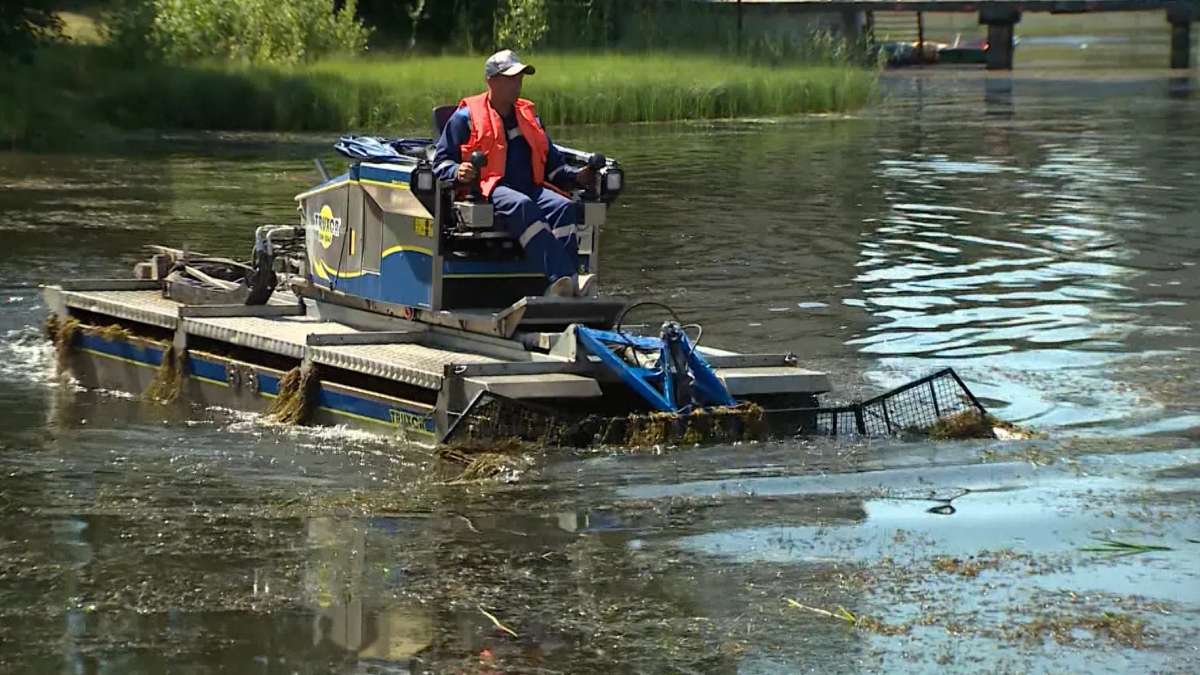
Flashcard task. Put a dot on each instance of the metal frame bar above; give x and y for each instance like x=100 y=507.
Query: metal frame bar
x=748 y=360
x=435 y=279
x=462 y=415
x=970 y=394
x=516 y=368
x=500 y=325
x=230 y=311
x=84 y=285
x=364 y=338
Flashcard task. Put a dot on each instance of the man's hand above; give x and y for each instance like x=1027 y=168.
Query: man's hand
x=465 y=173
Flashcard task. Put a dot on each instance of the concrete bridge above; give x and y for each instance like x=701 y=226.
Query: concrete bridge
x=1000 y=17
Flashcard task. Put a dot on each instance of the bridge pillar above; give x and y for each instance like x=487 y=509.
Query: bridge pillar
x=854 y=23
x=1000 y=18
x=1181 y=17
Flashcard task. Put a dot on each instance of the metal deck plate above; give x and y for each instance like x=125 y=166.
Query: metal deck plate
x=773 y=380
x=143 y=306
x=540 y=386
x=412 y=363
x=284 y=335
x=562 y=311
x=148 y=306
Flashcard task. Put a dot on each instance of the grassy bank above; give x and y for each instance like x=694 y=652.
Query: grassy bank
x=74 y=93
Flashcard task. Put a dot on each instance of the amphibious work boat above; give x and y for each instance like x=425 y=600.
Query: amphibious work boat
x=395 y=305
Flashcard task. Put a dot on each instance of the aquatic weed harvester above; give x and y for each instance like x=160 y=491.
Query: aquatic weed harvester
x=395 y=305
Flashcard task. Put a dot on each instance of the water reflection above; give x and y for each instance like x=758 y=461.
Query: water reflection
x=351 y=604
x=1026 y=257
x=998 y=97
x=1181 y=87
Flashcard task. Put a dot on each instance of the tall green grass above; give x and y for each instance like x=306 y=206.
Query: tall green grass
x=396 y=95
x=603 y=88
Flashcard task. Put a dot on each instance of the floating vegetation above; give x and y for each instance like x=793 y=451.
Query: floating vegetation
x=1123 y=629
x=972 y=423
x=1117 y=547
x=168 y=377
x=497 y=417
x=962 y=568
x=497 y=623
x=114 y=332
x=860 y=621
x=717 y=425
x=297 y=395
x=61 y=334
x=655 y=429
x=484 y=460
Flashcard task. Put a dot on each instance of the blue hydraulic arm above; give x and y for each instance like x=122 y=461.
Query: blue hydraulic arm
x=680 y=380
x=639 y=379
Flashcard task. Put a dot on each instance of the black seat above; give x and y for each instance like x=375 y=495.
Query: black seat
x=441 y=115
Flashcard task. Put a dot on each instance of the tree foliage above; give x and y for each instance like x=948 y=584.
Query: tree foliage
x=26 y=25
x=522 y=24
x=246 y=31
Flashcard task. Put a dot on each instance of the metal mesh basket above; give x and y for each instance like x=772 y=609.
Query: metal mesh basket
x=491 y=417
x=913 y=408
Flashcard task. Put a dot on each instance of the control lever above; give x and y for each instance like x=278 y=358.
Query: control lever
x=478 y=160
x=596 y=162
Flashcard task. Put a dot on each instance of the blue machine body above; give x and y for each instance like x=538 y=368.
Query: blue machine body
x=386 y=231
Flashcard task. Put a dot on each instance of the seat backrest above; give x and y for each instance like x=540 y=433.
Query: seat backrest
x=441 y=115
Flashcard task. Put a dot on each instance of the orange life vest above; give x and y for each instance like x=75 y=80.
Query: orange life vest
x=488 y=135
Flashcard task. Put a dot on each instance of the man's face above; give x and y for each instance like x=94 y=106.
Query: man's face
x=506 y=88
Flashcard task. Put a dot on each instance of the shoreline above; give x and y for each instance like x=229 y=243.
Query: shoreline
x=72 y=96
x=743 y=94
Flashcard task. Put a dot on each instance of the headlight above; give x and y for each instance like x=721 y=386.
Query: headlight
x=421 y=180
x=613 y=180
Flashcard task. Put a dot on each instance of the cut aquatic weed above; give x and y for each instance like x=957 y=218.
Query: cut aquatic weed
x=970 y=424
x=484 y=460
x=1123 y=629
x=1118 y=547
x=865 y=622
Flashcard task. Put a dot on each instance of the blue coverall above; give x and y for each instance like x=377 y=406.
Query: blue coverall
x=541 y=219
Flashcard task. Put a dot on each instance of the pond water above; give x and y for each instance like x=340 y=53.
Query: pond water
x=1039 y=234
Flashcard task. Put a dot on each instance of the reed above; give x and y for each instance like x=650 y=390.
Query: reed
x=67 y=95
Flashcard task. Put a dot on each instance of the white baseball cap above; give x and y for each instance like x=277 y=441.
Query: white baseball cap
x=505 y=62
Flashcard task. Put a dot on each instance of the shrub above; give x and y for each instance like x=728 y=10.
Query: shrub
x=238 y=31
